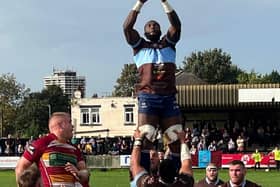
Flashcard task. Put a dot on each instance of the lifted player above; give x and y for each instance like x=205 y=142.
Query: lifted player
x=155 y=60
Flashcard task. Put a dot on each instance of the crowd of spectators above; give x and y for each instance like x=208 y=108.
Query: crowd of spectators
x=231 y=137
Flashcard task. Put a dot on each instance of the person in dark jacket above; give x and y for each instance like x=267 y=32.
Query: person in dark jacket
x=237 y=173
x=211 y=179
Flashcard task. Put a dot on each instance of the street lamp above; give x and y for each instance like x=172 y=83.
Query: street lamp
x=50 y=110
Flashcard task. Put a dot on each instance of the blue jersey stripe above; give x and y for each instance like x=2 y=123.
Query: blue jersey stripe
x=153 y=55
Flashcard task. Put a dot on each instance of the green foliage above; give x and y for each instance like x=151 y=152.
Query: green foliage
x=126 y=82
x=249 y=78
x=36 y=108
x=12 y=94
x=273 y=77
x=257 y=78
x=213 y=66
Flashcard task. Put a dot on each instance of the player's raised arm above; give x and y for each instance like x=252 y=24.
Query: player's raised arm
x=135 y=166
x=131 y=35
x=186 y=162
x=174 y=30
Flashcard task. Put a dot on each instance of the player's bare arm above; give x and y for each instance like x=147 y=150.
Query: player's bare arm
x=135 y=166
x=186 y=167
x=131 y=35
x=174 y=30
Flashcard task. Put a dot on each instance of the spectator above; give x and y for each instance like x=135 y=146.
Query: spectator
x=221 y=145
x=20 y=150
x=212 y=146
x=114 y=149
x=92 y=142
x=124 y=149
x=17 y=143
x=201 y=145
x=88 y=148
x=9 y=143
x=195 y=140
x=226 y=136
x=231 y=146
x=83 y=142
x=193 y=150
x=240 y=142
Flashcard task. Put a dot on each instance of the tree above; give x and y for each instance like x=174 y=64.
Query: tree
x=273 y=77
x=249 y=78
x=126 y=82
x=55 y=97
x=213 y=66
x=34 y=112
x=12 y=94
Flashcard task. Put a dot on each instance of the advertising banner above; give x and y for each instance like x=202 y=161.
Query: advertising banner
x=204 y=157
x=124 y=160
x=267 y=160
x=8 y=161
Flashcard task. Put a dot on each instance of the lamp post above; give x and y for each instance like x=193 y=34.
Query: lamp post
x=50 y=110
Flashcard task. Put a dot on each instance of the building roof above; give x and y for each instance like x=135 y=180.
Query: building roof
x=185 y=78
x=220 y=96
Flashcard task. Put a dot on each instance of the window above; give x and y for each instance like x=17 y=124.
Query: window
x=128 y=114
x=85 y=115
x=95 y=118
x=90 y=115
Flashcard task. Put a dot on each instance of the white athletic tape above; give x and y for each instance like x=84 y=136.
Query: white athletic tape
x=137 y=7
x=167 y=7
x=149 y=131
x=185 y=152
x=172 y=136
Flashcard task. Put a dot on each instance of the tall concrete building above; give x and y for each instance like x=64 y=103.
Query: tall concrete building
x=67 y=80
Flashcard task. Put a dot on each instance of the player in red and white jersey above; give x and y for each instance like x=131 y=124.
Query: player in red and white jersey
x=60 y=163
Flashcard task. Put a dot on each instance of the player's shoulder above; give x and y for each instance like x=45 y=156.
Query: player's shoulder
x=252 y=184
x=185 y=179
x=44 y=141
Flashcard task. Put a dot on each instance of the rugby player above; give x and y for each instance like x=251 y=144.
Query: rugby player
x=155 y=61
x=168 y=176
x=60 y=163
x=211 y=179
x=237 y=173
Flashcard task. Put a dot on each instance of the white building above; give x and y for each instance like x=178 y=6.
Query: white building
x=67 y=80
x=109 y=116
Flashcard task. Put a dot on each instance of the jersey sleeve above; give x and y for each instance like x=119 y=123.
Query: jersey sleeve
x=34 y=151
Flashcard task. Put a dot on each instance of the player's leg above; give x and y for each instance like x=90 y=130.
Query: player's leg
x=148 y=121
x=169 y=125
x=172 y=121
x=147 y=126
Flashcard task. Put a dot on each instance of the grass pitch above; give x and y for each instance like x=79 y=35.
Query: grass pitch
x=120 y=178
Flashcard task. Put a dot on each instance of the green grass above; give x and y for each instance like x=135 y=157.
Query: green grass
x=120 y=178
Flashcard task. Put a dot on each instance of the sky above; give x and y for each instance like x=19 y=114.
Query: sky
x=86 y=36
